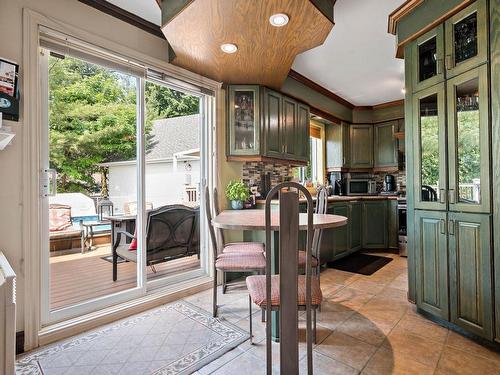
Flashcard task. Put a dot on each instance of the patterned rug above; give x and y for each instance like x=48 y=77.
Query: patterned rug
x=174 y=339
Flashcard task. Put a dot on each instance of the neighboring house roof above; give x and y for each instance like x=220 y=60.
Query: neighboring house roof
x=173 y=135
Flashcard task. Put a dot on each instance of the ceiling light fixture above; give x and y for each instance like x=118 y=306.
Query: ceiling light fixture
x=279 y=19
x=229 y=47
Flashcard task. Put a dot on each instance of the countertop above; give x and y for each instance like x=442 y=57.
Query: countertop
x=341 y=198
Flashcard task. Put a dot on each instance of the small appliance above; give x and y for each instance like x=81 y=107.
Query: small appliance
x=361 y=187
x=389 y=182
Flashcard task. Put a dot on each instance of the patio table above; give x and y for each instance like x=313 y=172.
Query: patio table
x=254 y=220
x=89 y=231
x=121 y=223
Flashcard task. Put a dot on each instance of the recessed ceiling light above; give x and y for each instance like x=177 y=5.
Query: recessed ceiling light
x=278 y=19
x=229 y=47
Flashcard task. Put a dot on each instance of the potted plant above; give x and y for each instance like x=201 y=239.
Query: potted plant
x=237 y=192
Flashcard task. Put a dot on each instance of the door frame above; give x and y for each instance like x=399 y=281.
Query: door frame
x=32 y=138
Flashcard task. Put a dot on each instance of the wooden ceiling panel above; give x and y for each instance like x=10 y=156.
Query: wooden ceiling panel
x=265 y=53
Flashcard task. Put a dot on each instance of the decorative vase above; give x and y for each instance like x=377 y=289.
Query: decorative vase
x=237 y=205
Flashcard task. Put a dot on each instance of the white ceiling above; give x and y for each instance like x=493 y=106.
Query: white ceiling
x=356 y=62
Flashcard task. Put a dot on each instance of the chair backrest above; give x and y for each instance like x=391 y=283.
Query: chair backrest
x=219 y=232
x=321 y=208
x=289 y=221
x=172 y=231
x=211 y=231
x=59 y=217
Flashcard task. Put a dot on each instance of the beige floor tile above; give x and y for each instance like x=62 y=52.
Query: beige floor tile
x=245 y=364
x=458 y=341
x=365 y=329
x=458 y=362
x=351 y=298
x=423 y=350
x=393 y=293
x=221 y=361
x=323 y=365
x=339 y=277
x=331 y=315
x=368 y=286
x=423 y=327
x=346 y=349
x=386 y=362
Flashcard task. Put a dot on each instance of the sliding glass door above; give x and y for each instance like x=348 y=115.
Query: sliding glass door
x=123 y=159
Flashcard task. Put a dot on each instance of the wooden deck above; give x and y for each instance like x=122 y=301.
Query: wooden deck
x=79 y=277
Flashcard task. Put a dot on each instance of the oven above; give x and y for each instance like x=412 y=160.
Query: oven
x=402 y=229
x=361 y=187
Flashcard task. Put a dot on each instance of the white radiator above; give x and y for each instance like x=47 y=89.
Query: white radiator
x=7 y=317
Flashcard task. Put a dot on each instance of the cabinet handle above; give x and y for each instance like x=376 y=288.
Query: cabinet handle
x=439 y=66
x=442 y=226
x=452 y=198
x=442 y=196
x=451 y=227
x=449 y=61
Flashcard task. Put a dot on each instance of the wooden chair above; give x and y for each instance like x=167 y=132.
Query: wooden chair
x=234 y=261
x=287 y=292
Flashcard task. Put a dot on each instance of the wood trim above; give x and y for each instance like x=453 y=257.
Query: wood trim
x=313 y=85
x=394 y=103
x=266 y=159
x=123 y=15
x=325 y=115
x=401 y=11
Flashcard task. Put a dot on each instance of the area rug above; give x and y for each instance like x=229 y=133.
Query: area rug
x=364 y=264
x=179 y=338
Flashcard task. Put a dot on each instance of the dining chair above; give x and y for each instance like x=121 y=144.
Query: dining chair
x=287 y=292
x=240 y=261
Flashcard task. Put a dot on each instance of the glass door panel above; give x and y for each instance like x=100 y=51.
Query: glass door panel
x=469 y=148
x=430 y=150
x=428 y=63
x=466 y=39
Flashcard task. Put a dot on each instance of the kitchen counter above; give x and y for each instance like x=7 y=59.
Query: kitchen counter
x=341 y=198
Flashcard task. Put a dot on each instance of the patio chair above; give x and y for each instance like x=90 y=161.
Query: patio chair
x=172 y=232
x=61 y=227
x=238 y=261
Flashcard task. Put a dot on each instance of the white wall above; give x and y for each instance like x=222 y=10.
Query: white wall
x=163 y=185
x=81 y=16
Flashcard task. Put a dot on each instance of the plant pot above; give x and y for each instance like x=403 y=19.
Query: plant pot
x=237 y=205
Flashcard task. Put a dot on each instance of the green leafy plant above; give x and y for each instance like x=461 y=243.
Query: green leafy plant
x=237 y=191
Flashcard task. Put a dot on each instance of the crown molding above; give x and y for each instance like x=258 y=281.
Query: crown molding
x=400 y=12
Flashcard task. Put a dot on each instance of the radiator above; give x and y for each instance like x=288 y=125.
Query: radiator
x=7 y=317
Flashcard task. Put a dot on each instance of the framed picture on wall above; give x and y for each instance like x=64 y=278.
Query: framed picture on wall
x=9 y=90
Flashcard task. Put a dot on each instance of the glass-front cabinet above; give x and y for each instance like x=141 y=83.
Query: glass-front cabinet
x=466 y=39
x=468 y=151
x=429 y=151
x=429 y=61
x=244 y=125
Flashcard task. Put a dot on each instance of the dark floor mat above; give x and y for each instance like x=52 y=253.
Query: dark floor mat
x=363 y=264
x=109 y=258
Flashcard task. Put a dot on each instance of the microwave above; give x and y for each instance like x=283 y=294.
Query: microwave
x=361 y=187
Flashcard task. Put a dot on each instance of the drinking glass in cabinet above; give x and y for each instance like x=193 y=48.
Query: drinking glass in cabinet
x=465 y=38
x=427 y=59
x=429 y=144
x=468 y=150
x=244 y=120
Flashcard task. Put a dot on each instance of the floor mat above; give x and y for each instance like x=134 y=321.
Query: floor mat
x=179 y=338
x=364 y=264
x=109 y=258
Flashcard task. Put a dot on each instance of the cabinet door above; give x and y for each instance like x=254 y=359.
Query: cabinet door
x=466 y=39
x=428 y=62
x=361 y=146
x=337 y=142
x=375 y=224
x=341 y=237
x=468 y=147
x=356 y=229
x=470 y=273
x=302 y=136
x=273 y=122
x=393 y=229
x=429 y=148
x=431 y=260
x=290 y=128
x=386 y=144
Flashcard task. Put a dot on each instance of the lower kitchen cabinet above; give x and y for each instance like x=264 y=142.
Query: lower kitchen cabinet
x=355 y=228
x=471 y=293
x=341 y=234
x=374 y=224
x=431 y=253
x=393 y=226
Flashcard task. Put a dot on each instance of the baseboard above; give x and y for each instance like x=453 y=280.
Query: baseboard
x=19 y=342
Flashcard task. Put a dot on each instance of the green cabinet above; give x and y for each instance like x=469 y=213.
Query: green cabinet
x=341 y=234
x=337 y=146
x=431 y=253
x=355 y=226
x=374 y=224
x=361 y=146
x=264 y=125
x=385 y=144
x=393 y=226
x=471 y=293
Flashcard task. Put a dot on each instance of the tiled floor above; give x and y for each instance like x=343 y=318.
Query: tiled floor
x=366 y=327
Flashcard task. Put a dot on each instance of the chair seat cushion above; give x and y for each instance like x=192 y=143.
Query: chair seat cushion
x=246 y=247
x=124 y=252
x=302 y=260
x=240 y=261
x=257 y=288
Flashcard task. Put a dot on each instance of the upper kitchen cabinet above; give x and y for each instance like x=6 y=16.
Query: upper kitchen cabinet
x=386 y=144
x=466 y=38
x=337 y=147
x=361 y=146
x=266 y=125
x=428 y=65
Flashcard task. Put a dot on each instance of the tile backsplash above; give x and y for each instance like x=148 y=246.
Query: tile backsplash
x=251 y=172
